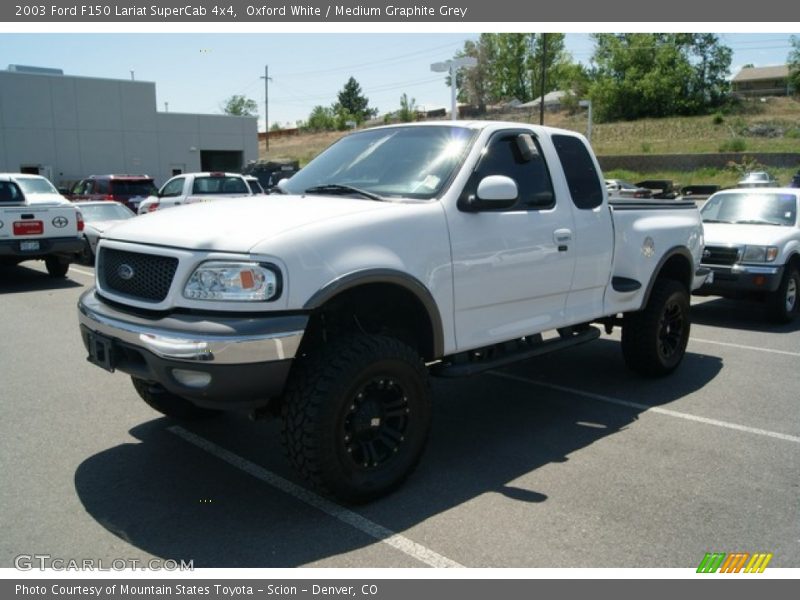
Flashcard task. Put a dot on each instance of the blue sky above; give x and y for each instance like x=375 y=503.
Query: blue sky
x=196 y=72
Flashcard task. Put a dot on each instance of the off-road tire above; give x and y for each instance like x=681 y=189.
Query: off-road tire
x=56 y=266
x=782 y=304
x=654 y=339
x=169 y=404
x=356 y=416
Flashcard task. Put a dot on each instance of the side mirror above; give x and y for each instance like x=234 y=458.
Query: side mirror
x=494 y=192
x=281 y=185
x=498 y=189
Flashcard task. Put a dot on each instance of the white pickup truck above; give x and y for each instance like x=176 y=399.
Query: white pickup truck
x=398 y=252
x=37 y=223
x=190 y=188
x=753 y=247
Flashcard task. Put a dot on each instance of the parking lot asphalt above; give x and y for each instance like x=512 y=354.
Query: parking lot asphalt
x=569 y=460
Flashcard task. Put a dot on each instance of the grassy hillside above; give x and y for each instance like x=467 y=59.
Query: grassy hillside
x=771 y=126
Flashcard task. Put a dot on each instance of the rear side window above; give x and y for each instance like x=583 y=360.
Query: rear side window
x=101 y=186
x=583 y=179
x=10 y=193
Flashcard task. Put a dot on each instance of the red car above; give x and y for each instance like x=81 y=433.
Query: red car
x=129 y=190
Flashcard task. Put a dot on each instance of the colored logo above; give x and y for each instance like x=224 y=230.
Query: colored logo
x=735 y=562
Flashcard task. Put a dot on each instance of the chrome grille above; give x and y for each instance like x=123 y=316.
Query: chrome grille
x=720 y=255
x=146 y=277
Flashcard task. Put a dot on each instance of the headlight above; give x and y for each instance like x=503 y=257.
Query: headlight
x=240 y=281
x=759 y=253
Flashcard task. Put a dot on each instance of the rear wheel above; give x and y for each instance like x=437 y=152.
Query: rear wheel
x=356 y=416
x=782 y=304
x=168 y=403
x=654 y=339
x=57 y=266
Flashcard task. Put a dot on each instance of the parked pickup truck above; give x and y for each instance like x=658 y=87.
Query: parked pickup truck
x=190 y=188
x=399 y=252
x=37 y=223
x=753 y=247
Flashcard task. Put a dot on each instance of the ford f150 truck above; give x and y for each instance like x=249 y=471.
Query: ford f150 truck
x=37 y=223
x=190 y=188
x=753 y=247
x=397 y=253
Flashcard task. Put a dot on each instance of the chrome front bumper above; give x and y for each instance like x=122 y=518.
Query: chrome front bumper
x=222 y=341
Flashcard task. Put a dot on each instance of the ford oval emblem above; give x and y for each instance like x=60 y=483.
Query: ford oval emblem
x=60 y=222
x=125 y=272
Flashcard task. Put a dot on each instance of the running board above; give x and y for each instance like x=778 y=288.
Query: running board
x=500 y=355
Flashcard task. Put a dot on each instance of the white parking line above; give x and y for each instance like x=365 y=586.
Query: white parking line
x=87 y=273
x=742 y=347
x=644 y=407
x=380 y=533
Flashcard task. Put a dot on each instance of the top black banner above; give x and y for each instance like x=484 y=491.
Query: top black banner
x=410 y=11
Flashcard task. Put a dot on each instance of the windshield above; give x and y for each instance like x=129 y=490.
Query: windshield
x=407 y=162
x=35 y=185
x=751 y=208
x=104 y=212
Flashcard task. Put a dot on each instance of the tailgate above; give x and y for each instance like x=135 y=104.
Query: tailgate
x=38 y=222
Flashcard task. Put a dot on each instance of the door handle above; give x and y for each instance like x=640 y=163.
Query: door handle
x=562 y=236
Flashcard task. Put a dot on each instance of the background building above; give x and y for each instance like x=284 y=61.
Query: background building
x=762 y=81
x=67 y=128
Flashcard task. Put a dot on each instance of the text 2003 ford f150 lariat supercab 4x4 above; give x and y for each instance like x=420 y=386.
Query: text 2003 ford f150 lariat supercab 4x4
x=398 y=252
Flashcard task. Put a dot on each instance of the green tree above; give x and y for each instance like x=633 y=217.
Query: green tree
x=793 y=61
x=240 y=106
x=639 y=75
x=408 y=109
x=353 y=102
x=320 y=119
x=509 y=66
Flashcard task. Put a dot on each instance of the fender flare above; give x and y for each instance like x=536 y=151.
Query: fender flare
x=674 y=251
x=389 y=276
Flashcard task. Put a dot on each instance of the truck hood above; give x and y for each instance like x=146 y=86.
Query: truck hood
x=725 y=234
x=237 y=224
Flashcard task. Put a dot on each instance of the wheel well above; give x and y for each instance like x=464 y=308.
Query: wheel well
x=678 y=268
x=794 y=261
x=379 y=308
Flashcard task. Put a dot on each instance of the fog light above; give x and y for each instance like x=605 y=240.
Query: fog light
x=192 y=379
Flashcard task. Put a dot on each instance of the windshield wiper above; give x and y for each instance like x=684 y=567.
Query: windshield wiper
x=342 y=189
x=757 y=222
x=716 y=221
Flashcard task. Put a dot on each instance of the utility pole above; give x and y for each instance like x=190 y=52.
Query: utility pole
x=266 y=79
x=544 y=75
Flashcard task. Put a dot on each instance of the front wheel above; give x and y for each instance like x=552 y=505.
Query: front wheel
x=654 y=339
x=356 y=416
x=56 y=266
x=783 y=303
x=168 y=403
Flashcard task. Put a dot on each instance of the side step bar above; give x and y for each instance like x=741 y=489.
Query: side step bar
x=500 y=355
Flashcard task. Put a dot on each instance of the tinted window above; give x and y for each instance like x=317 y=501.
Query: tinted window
x=9 y=192
x=133 y=188
x=503 y=157
x=582 y=177
x=101 y=186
